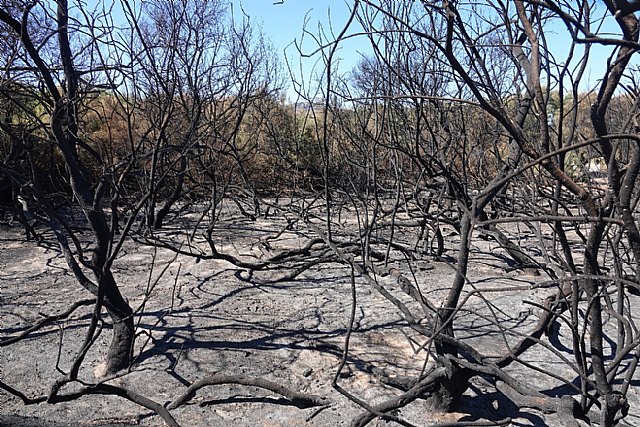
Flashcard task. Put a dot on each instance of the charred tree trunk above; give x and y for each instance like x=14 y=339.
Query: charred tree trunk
x=119 y=355
x=449 y=388
x=173 y=198
x=89 y=192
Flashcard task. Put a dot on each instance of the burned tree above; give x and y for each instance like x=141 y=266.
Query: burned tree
x=129 y=132
x=480 y=113
x=61 y=96
x=450 y=175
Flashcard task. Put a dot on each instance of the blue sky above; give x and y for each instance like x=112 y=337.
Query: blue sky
x=285 y=23
x=282 y=24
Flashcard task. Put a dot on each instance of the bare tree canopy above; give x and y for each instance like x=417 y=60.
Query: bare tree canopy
x=448 y=233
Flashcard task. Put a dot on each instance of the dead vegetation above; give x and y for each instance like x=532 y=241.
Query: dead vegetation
x=414 y=243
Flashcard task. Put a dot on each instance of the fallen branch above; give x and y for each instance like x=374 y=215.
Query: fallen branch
x=502 y=422
x=47 y=320
x=25 y=399
x=418 y=390
x=300 y=399
x=545 y=404
x=123 y=392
